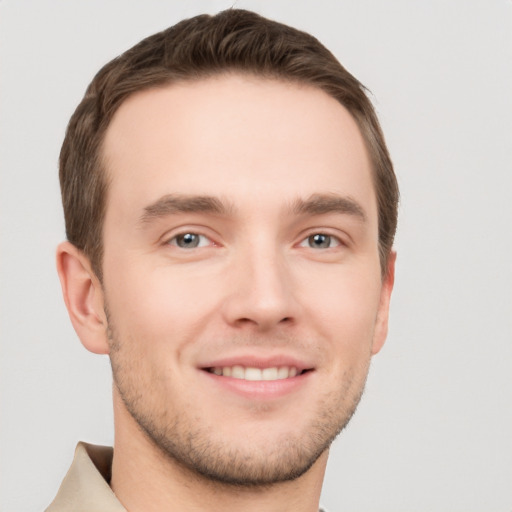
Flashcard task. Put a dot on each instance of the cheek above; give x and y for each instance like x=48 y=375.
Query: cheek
x=158 y=306
x=346 y=310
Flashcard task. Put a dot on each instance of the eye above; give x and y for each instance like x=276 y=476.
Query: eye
x=320 y=241
x=189 y=241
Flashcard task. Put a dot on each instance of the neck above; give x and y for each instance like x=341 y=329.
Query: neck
x=145 y=479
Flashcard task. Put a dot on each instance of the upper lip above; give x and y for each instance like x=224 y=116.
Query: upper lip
x=256 y=361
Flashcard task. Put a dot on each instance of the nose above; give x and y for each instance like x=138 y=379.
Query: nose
x=261 y=294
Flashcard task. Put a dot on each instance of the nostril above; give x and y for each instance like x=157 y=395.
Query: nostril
x=245 y=321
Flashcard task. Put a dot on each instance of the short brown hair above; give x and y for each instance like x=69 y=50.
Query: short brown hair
x=233 y=40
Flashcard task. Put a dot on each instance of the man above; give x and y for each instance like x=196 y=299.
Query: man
x=230 y=211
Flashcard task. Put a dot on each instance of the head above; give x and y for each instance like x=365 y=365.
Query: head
x=194 y=49
x=232 y=207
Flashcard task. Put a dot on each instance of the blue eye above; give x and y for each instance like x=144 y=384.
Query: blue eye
x=320 y=241
x=189 y=241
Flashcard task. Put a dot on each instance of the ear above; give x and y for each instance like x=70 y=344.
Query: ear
x=381 y=324
x=83 y=295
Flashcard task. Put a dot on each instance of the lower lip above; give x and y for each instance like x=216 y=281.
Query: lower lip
x=260 y=389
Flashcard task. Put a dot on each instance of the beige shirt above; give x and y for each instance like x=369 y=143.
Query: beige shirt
x=85 y=487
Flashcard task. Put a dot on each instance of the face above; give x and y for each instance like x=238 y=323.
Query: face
x=241 y=273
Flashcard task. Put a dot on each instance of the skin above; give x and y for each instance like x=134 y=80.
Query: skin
x=278 y=163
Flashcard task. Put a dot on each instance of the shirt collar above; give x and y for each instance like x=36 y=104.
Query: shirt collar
x=85 y=486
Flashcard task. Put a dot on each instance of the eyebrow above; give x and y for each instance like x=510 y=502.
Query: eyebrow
x=320 y=204
x=173 y=204
x=316 y=204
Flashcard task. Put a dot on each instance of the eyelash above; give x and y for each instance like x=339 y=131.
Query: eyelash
x=183 y=236
x=320 y=236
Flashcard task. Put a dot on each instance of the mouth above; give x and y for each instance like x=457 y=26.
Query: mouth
x=259 y=378
x=251 y=373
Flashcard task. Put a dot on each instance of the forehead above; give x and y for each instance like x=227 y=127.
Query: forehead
x=234 y=136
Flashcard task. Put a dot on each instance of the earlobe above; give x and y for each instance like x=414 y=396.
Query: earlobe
x=381 y=324
x=83 y=295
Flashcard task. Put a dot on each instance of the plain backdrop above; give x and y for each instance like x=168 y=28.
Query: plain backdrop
x=433 y=431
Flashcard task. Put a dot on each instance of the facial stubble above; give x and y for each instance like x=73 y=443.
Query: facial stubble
x=185 y=440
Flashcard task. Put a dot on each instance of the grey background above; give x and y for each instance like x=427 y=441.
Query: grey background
x=433 y=430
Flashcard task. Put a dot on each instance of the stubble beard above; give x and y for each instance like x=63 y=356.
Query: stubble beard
x=184 y=439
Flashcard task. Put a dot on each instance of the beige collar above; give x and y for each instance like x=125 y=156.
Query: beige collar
x=85 y=487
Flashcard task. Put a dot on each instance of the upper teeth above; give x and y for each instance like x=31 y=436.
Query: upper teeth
x=249 y=373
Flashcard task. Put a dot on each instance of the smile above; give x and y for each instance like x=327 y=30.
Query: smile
x=256 y=374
